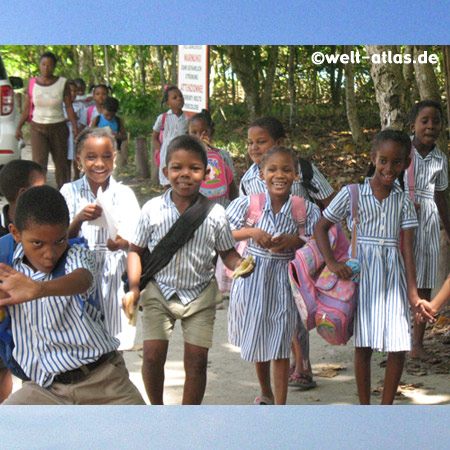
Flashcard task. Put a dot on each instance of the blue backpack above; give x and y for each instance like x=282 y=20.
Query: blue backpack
x=7 y=246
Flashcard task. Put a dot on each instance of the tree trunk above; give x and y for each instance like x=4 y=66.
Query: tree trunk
x=174 y=66
x=350 y=101
x=267 y=88
x=160 y=54
x=446 y=70
x=154 y=169
x=390 y=89
x=141 y=156
x=428 y=87
x=142 y=65
x=291 y=81
x=241 y=61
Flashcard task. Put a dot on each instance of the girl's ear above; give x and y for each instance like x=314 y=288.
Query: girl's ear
x=411 y=125
x=78 y=159
x=15 y=232
x=165 y=172
x=261 y=175
x=373 y=158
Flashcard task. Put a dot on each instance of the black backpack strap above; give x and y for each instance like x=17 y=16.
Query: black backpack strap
x=180 y=233
x=307 y=175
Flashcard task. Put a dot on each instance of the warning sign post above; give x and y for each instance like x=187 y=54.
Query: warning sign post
x=193 y=77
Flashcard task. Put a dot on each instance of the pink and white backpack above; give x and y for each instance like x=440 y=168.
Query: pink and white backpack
x=323 y=300
x=220 y=176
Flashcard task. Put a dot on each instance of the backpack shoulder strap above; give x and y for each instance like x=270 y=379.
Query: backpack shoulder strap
x=90 y=111
x=255 y=209
x=410 y=175
x=354 y=198
x=299 y=213
x=161 y=131
x=307 y=174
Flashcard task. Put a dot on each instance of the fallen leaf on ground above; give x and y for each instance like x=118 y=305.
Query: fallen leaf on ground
x=314 y=399
x=329 y=371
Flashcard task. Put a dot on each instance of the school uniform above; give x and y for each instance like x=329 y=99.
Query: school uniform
x=262 y=314
x=382 y=317
x=61 y=344
x=251 y=183
x=431 y=174
x=173 y=126
x=78 y=195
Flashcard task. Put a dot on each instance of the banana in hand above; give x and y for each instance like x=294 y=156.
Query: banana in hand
x=246 y=266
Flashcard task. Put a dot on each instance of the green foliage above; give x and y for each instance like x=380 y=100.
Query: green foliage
x=139 y=126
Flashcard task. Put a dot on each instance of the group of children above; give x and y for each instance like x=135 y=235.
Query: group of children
x=73 y=340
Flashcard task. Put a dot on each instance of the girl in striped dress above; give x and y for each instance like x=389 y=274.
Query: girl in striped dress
x=431 y=181
x=96 y=152
x=387 y=280
x=262 y=313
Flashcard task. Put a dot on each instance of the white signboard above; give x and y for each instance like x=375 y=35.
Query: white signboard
x=193 y=77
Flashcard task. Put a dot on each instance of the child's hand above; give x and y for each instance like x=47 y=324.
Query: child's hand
x=424 y=311
x=284 y=242
x=262 y=238
x=90 y=212
x=340 y=269
x=133 y=294
x=118 y=244
x=205 y=138
x=18 y=287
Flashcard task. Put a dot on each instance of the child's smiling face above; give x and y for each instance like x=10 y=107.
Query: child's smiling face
x=279 y=172
x=389 y=161
x=100 y=95
x=259 y=141
x=185 y=172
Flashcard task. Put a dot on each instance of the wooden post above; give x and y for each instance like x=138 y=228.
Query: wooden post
x=141 y=156
x=154 y=169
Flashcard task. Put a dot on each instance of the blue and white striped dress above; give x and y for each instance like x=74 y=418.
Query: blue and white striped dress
x=431 y=174
x=53 y=335
x=191 y=268
x=173 y=126
x=382 y=317
x=111 y=264
x=251 y=183
x=262 y=315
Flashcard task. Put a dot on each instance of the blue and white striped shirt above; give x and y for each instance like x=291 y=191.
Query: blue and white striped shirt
x=191 y=268
x=251 y=183
x=53 y=335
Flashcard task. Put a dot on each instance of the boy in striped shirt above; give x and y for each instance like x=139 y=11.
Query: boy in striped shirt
x=60 y=341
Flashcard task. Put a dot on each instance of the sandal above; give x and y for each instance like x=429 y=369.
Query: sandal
x=263 y=400
x=291 y=370
x=303 y=381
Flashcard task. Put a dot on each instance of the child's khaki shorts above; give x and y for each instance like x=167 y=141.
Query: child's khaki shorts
x=197 y=317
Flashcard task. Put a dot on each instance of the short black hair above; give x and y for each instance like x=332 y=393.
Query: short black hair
x=424 y=104
x=96 y=133
x=41 y=205
x=188 y=143
x=48 y=55
x=204 y=115
x=278 y=149
x=111 y=104
x=166 y=93
x=16 y=175
x=272 y=125
x=80 y=82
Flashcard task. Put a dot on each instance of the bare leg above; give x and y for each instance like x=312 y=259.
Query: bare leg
x=362 y=373
x=6 y=384
x=394 y=369
x=263 y=373
x=280 y=380
x=155 y=354
x=417 y=350
x=195 y=364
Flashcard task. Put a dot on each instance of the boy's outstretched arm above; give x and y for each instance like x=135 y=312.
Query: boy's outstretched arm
x=134 y=270
x=321 y=235
x=232 y=259
x=20 y=288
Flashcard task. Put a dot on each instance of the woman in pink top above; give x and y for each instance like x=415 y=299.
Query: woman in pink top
x=49 y=132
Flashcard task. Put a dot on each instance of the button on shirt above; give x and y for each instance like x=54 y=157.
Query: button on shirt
x=53 y=335
x=191 y=268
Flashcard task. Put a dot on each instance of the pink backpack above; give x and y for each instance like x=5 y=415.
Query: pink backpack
x=219 y=178
x=161 y=134
x=324 y=300
x=30 y=93
x=90 y=111
x=255 y=211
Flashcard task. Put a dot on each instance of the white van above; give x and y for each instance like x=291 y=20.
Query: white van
x=9 y=116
